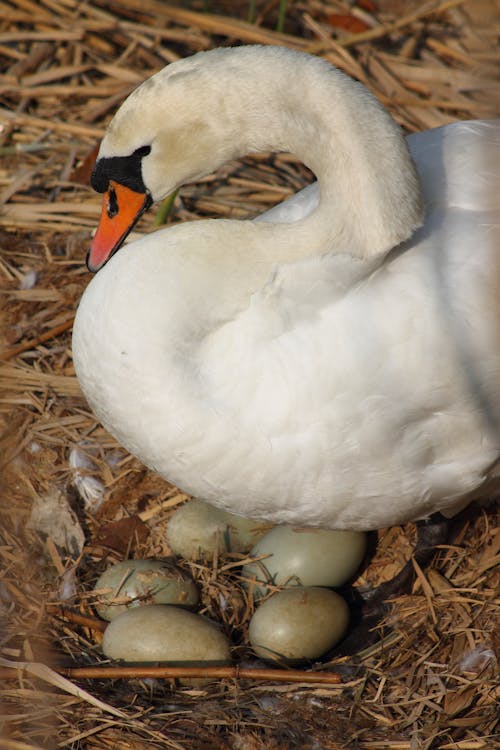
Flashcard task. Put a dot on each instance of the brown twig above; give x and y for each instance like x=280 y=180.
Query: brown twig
x=31 y=343
x=76 y=617
x=166 y=672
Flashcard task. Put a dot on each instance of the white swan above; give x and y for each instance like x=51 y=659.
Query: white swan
x=307 y=368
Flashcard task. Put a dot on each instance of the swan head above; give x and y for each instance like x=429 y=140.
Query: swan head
x=171 y=130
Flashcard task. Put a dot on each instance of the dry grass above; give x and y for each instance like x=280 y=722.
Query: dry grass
x=65 y=67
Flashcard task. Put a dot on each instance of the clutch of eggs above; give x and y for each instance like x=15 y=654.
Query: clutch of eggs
x=296 y=625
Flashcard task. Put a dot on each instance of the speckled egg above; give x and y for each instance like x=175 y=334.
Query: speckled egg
x=135 y=583
x=166 y=634
x=307 y=557
x=299 y=624
x=196 y=528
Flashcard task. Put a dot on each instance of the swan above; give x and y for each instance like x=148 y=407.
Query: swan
x=333 y=363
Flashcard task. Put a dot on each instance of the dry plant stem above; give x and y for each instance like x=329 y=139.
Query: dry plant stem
x=17 y=745
x=216 y=673
x=22 y=120
x=20 y=348
x=89 y=622
x=52 y=677
x=380 y=32
x=215 y=24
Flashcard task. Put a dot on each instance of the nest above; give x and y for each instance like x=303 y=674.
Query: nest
x=66 y=66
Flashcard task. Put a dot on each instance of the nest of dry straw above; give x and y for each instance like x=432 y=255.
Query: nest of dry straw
x=65 y=67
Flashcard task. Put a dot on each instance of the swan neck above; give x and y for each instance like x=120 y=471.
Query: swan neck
x=369 y=191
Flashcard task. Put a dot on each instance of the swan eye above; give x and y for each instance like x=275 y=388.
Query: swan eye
x=142 y=151
x=112 y=203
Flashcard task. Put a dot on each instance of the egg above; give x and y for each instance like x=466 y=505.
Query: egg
x=307 y=557
x=197 y=528
x=166 y=634
x=298 y=624
x=135 y=583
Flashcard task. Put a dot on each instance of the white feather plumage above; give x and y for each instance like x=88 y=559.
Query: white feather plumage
x=264 y=367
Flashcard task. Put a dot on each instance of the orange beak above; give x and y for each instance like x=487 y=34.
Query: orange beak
x=121 y=209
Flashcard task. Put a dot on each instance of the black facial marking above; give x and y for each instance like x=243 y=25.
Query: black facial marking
x=112 y=205
x=127 y=170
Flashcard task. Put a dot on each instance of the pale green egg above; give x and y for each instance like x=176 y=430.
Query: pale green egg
x=196 y=529
x=304 y=557
x=135 y=583
x=298 y=625
x=167 y=635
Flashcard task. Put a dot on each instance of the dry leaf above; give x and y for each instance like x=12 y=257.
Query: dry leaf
x=122 y=535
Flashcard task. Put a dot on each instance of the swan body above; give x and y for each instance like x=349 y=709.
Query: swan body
x=333 y=363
